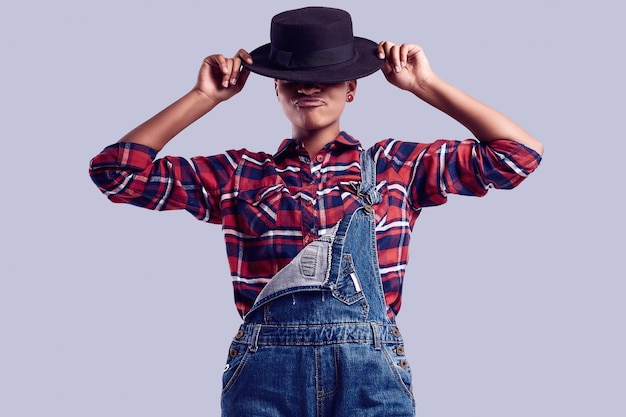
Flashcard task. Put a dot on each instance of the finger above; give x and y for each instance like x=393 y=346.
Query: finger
x=383 y=49
x=220 y=68
x=236 y=70
x=407 y=51
x=211 y=63
x=393 y=57
x=216 y=61
x=228 y=72
x=241 y=56
x=243 y=76
x=245 y=56
x=403 y=53
x=391 y=52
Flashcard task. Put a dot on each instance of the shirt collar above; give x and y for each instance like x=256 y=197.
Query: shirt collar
x=288 y=146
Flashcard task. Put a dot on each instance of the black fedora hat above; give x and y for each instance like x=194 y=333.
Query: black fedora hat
x=315 y=44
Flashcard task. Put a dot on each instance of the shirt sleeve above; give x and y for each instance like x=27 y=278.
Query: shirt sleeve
x=129 y=173
x=432 y=171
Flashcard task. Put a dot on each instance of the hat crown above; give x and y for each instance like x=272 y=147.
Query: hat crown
x=315 y=44
x=311 y=29
x=311 y=37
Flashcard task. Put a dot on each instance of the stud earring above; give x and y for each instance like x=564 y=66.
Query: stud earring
x=350 y=98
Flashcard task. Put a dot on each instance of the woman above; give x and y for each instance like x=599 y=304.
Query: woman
x=317 y=234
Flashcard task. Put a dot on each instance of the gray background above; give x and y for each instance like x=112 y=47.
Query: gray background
x=513 y=305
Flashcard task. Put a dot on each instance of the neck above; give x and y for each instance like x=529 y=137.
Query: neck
x=314 y=141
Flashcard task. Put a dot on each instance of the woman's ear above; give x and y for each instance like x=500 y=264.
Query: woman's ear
x=351 y=86
x=276 y=86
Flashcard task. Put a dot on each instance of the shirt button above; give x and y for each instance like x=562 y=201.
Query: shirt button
x=319 y=158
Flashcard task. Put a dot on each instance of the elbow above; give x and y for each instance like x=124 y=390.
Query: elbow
x=530 y=142
x=536 y=146
x=111 y=183
x=106 y=183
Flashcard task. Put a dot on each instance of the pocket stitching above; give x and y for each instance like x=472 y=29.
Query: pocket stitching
x=396 y=373
x=228 y=385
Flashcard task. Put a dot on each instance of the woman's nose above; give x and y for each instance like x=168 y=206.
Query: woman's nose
x=308 y=89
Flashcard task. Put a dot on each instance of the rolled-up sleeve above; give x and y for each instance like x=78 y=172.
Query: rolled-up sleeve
x=432 y=171
x=128 y=173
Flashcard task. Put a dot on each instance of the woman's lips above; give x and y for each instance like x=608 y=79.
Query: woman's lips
x=309 y=102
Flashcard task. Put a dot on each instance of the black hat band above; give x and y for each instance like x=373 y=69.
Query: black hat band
x=312 y=59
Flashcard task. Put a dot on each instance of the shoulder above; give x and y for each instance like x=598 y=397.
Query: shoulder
x=397 y=152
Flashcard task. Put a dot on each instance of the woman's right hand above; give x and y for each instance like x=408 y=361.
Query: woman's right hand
x=220 y=78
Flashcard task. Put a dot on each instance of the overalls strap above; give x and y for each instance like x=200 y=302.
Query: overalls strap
x=368 y=177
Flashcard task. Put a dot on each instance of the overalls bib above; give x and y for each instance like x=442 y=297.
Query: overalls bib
x=317 y=341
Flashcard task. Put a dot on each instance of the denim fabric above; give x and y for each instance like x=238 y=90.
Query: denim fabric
x=317 y=341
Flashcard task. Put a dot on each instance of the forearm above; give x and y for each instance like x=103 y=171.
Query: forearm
x=157 y=131
x=485 y=122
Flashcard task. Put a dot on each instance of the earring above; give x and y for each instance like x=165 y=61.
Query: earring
x=350 y=98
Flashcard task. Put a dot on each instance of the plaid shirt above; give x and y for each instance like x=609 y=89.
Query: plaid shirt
x=270 y=207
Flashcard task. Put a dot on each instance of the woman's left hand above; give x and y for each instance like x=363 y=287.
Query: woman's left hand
x=406 y=65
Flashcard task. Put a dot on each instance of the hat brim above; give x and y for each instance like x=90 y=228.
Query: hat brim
x=364 y=63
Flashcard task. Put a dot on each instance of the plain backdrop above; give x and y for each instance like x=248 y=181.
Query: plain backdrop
x=513 y=303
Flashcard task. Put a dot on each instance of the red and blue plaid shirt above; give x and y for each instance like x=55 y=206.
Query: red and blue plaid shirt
x=270 y=207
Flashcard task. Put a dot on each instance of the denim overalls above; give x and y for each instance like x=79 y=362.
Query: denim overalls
x=317 y=341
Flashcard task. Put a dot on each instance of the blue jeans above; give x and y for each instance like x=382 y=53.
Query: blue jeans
x=317 y=341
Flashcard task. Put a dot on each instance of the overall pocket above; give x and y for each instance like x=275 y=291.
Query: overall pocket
x=399 y=367
x=237 y=356
x=348 y=288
